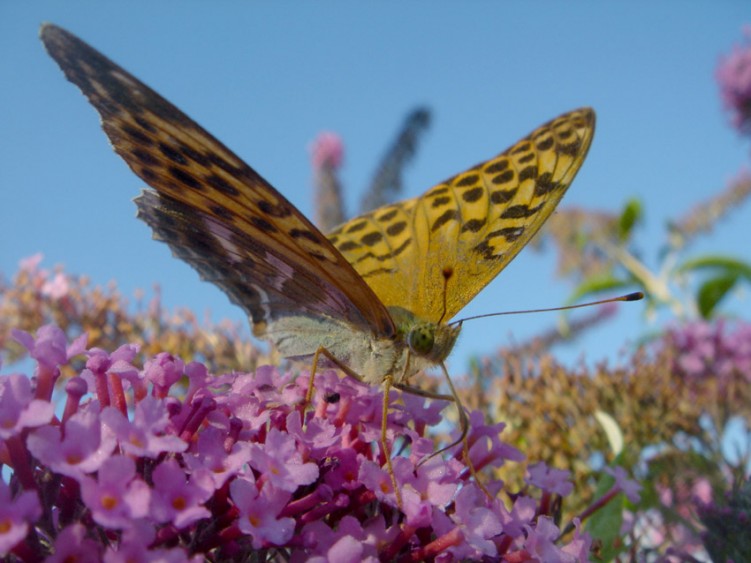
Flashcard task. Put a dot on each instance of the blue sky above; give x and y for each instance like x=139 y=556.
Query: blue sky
x=266 y=80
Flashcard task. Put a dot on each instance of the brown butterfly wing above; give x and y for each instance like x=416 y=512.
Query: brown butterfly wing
x=215 y=211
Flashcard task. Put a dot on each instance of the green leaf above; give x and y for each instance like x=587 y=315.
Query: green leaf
x=630 y=216
x=712 y=291
x=605 y=524
x=725 y=264
x=597 y=284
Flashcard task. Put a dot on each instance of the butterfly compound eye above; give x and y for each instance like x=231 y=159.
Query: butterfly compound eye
x=421 y=340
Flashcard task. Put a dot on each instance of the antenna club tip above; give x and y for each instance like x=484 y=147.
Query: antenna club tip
x=636 y=296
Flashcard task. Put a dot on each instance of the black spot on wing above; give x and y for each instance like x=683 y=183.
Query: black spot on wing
x=520 y=211
x=445 y=217
x=440 y=201
x=184 y=178
x=509 y=233
x=473 y=195
x=371 y=238
x=545 y=184
x=497 y=167
x=262 y=224
x=503 y=177
x=222 y=186
x=273 y=210
x=347 y=246
x=528 y=173
x=388 y=216
x=304 y=234
x=396 y=228
x=172 y=154
x=474 y=225
x=502 y=196
x=355 y=227
x=469 y=180
x=545 y=145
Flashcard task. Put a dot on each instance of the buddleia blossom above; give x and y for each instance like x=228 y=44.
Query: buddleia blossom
x=142 y=468
x=327 y=155
x=734 y=77
x=716 y=350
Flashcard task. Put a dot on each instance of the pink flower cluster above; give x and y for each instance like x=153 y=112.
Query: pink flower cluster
x=170 y=463
x=327 y=151
x=734 y=77
x=718 y=350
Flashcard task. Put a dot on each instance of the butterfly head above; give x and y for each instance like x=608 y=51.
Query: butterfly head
x=431 y=342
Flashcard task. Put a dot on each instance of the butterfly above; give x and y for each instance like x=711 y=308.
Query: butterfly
x=375 y=296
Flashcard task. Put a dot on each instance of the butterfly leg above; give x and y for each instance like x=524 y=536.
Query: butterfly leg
x=463 y=424
x=463 y=420
x=334 y=360
x=387 y=384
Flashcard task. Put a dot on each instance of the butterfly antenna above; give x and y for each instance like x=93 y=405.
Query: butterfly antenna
x=635 y=296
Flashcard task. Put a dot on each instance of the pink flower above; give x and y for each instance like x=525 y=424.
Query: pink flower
x=135 y=546
x=117 y=497
x=16 y=516
x=211 y=454
x=178 y=498
x=83 y=448
x=149 y=434
x=49 y=346
x=550 y=479
x=327 y=150
x=73 y=545
x=279 y=462
x=259 y=513
x=627 y=486
x=580 y=546
x=31 y=263
x=734 y=77
x=56 y=288
x=164 y=370
x=18 y=408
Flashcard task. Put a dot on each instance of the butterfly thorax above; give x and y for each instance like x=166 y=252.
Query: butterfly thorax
x=417 y=344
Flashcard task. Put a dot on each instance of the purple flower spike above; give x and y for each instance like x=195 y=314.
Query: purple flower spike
x=327 y=150
x=734 y=77
x=236 y=467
